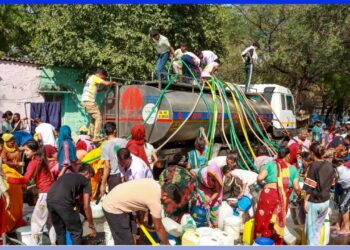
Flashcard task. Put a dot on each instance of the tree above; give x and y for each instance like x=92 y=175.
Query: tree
x=300 y=44
x=12 y=35
x=116 y=37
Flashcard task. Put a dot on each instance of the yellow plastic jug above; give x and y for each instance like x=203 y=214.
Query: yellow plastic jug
x=248 y=232
x=190 y=238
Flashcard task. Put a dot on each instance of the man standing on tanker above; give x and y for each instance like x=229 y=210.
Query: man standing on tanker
x=249 y=56
x=163 y=47
x=89 y=101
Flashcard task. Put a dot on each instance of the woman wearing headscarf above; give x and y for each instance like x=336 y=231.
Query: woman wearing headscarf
x=11 y=154
x=67 y=155
x=210 y=190
x=280 y=177
x=10 y=163
x=136 y=145
x=179 y=191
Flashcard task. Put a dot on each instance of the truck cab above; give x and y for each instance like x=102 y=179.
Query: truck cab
x=282 y=103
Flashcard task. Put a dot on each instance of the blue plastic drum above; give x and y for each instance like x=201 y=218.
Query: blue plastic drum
x=199 y=214
x=262 y=241
x=245 y=203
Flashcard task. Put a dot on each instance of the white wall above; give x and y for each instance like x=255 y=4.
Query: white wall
x=19 y=83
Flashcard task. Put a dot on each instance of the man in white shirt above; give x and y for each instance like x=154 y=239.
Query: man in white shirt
x=249 y=56
x=207 y=57
x=45 y=132
x=163 y=47
x=132 y=167
x=211 y=69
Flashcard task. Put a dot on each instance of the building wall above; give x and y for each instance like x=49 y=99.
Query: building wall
x=19 y=84
x=59 y=81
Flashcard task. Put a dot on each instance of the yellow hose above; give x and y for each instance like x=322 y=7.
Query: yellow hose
x=234 y=138
x=242 y=124
x=257 y=115
x=149 y=237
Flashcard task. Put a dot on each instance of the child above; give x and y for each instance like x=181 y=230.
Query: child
x=317 y=132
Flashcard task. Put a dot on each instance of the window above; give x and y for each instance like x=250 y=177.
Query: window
x=52 y=97
x=290 y=104
x=283 y=102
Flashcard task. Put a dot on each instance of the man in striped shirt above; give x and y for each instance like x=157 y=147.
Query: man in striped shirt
x=89 y=101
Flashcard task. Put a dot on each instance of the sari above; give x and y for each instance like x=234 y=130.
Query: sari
x=270 y=218
x=196 y=160
x=66 y=150
x=186 y=184
x=13 y=216
x=206 y=189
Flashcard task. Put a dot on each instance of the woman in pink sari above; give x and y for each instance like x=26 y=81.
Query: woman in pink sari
x=210 y=190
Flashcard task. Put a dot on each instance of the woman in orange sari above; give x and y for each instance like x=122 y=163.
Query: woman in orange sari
x=280 y=178
x=11 y=165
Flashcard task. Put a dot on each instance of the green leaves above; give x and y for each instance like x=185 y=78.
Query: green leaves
x=115 y=37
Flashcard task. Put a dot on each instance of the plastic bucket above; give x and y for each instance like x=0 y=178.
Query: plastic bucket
x=244 y=203
x=263 y=241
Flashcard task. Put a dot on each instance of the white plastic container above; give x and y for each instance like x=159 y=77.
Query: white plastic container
x=209 y=241
x=290 y=236
x=205 y=231
x=24 y=235
x=224 y=238
x=233 y=226
x=172 y=227
x=225 y=211
x=96 y=210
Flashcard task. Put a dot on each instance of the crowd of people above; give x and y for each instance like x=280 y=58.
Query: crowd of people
x=138 y=188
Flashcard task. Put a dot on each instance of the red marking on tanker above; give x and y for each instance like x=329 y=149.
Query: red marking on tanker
x=131 y=99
